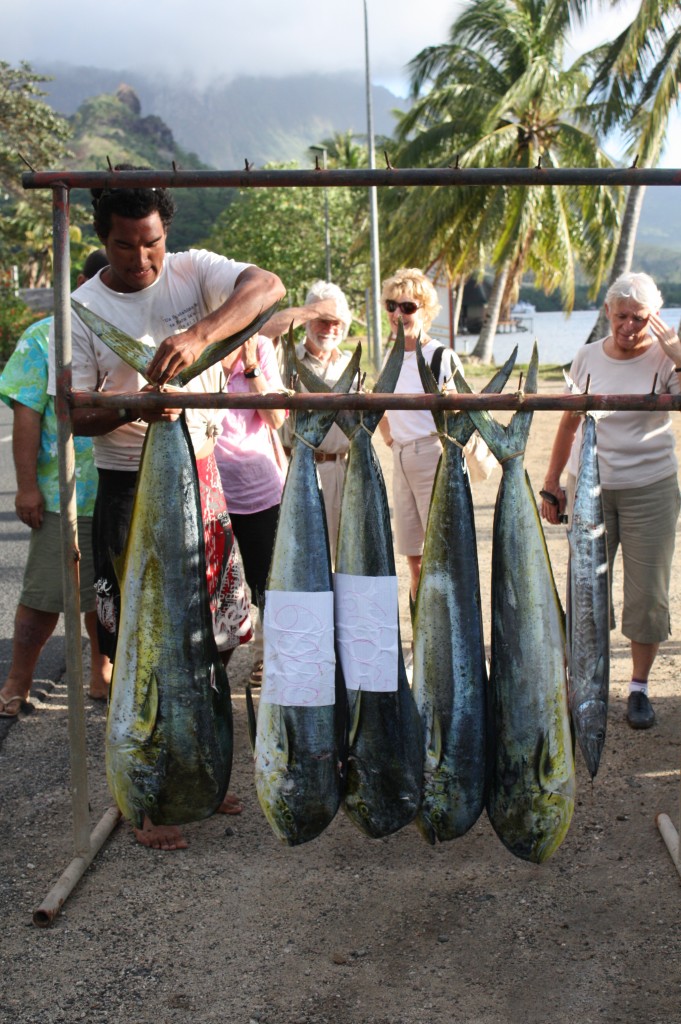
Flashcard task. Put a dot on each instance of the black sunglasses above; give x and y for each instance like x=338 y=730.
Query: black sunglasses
x=407 y=308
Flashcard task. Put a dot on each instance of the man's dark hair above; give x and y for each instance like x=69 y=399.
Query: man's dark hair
x=130 y=202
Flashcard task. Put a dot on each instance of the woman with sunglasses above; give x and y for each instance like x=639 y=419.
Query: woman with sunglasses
x=410 y=296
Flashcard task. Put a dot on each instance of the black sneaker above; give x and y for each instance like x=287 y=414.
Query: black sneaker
x=640 y=714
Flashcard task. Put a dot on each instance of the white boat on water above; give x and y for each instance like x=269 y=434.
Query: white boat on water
x=523 y=309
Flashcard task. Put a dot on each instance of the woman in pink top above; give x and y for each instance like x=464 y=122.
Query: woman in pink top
x=253 y=468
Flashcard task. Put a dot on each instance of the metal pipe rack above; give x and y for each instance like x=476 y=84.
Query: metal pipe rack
x=86 y=844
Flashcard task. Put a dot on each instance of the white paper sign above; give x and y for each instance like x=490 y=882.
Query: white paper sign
x=299 y=657
x=367 y=612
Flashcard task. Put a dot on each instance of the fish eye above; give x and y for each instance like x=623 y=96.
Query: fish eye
x=363 y=810
x=436 y=816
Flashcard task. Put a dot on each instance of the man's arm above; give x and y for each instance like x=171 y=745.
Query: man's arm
x=29 y=502
x=254 y=291
x=95 y=422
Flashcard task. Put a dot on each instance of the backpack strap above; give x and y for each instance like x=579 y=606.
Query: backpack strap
x=436 y=362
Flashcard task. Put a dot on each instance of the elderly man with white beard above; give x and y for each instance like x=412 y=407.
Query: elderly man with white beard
x=321 y=353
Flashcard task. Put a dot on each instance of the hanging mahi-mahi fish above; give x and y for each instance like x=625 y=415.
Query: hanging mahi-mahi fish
x=383 y=785
x=300 y=737
x=450 y=675
x=532 y=780
x=169 y=724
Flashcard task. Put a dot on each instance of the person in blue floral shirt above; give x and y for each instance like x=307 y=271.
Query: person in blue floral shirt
x=23 y=386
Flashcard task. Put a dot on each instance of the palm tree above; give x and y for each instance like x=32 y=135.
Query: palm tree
x=636 y=86
x=498 y=94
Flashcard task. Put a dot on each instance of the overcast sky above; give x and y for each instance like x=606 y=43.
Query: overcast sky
x=216 y=38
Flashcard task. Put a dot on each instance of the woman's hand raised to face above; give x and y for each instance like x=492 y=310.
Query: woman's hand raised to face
x=667 y=338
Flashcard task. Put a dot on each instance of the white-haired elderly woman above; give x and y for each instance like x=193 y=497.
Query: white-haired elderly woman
x=637 y=464
x=321 y=352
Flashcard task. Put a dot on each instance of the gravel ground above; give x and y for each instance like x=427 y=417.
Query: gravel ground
x=347 y=930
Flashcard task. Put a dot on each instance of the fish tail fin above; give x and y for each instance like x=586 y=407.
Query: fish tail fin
x=492 y=432
x=461 y=426
x=430 y=386
x=574 y=388
x=386 y=382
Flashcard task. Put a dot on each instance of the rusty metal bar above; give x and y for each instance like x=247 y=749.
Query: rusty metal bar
x=355 y=177
x=44 y=915
x=145 y=401
x=69 y=525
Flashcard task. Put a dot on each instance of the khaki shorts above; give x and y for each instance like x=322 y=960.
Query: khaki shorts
x=642 y=521
x=414 y=466
x=42 y=588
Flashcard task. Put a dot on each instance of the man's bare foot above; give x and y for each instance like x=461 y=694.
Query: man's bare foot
x=98 y=689
x=230 y=805
x=160 y=837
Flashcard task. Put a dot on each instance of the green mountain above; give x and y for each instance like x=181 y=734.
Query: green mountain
x=261 y=119
x=111 y=128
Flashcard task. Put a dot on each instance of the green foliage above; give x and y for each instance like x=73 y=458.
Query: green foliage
x=282 y=230
x=15 y=317
x=29 y=129
x=498 y=95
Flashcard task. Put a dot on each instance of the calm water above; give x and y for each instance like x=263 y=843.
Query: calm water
x=558 y=336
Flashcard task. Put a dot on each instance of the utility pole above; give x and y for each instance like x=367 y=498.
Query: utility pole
x=375 y=317
x=327 y=231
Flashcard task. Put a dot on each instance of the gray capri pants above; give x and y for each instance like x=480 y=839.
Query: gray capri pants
x=43 y=587
x=642 y=520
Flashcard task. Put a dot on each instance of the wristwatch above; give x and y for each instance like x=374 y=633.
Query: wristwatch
x=252 y=371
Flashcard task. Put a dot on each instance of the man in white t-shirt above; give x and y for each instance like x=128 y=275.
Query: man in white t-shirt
x=178 y=303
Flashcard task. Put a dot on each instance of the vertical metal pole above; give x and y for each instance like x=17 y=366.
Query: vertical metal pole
x=69 y=523
x=375 y=341
x=327 y=229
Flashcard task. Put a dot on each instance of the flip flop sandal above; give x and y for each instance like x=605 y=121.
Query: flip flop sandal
x=22 y=705
x=256 y=675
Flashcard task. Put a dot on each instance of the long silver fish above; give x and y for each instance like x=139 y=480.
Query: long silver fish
x=532 y=778
x=383 y=786
x=169 y=724
x=450 y=674
x=300 y=740
x=588 y=605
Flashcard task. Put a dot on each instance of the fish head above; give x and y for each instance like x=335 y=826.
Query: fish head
x=590 y=721
x=136 y=790
x=437 y=817
x=282 y=817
